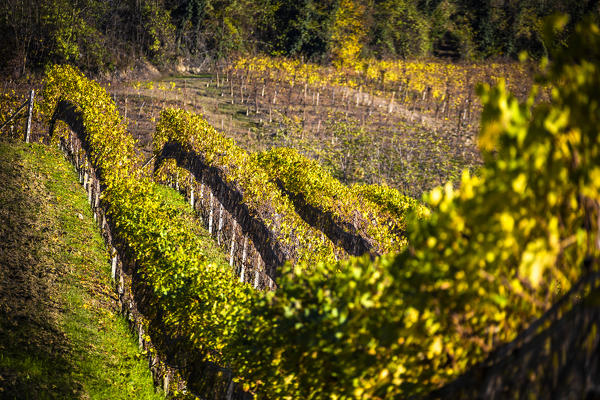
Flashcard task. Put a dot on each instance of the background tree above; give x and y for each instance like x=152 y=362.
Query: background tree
x=97 y=35
x=347 y=33
x=399 y=30
x=301 y=28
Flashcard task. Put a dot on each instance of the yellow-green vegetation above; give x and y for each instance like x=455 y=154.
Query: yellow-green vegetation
x=446 y=81
x=390 y=201
x=60 y=333
x=489 y=258
x=260 y=195
x=303 y=177
x=348 y=33
x=197 y=296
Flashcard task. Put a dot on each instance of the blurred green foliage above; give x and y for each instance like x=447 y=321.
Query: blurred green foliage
x=490 y=258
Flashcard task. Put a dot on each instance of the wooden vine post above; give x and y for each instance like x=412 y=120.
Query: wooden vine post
x=29 y=115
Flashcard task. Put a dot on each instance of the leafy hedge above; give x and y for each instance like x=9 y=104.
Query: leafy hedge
x=490 y=257
x=358 y=209
x=390 y=201
x=262 y=197
x=377 y=212
x=198 y=299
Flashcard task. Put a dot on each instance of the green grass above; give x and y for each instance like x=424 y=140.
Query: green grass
x=173 y=199
x=60 y=334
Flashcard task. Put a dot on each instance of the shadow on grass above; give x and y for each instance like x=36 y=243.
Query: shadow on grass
x=34 y=351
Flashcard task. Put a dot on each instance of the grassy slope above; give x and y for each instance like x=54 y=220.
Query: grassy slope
x=60 y=334
x=173 y=199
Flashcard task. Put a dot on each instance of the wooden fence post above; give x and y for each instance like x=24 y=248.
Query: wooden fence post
x=115 y=259
x=391 y=105
x=29 y=115
x=232 y=249
x=192 y=185
x=257 y=271
x=210 y=215
x=220 y=226
x=244 y=255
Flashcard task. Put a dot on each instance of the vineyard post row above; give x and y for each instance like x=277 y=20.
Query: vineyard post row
x=244 y=238
x=216 y=193
x=123 y=266
x=446 y=97
x=125 y=257
x=286 y=196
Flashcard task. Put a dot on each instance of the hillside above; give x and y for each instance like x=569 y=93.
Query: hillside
x=314 y=277
x=61 y=335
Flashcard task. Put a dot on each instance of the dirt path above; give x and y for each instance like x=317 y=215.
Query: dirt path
x=60 y=336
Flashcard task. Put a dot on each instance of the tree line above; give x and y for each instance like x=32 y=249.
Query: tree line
x=99 y=35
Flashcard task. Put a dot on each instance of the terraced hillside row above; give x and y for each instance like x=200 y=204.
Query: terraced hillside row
x=300 y=210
